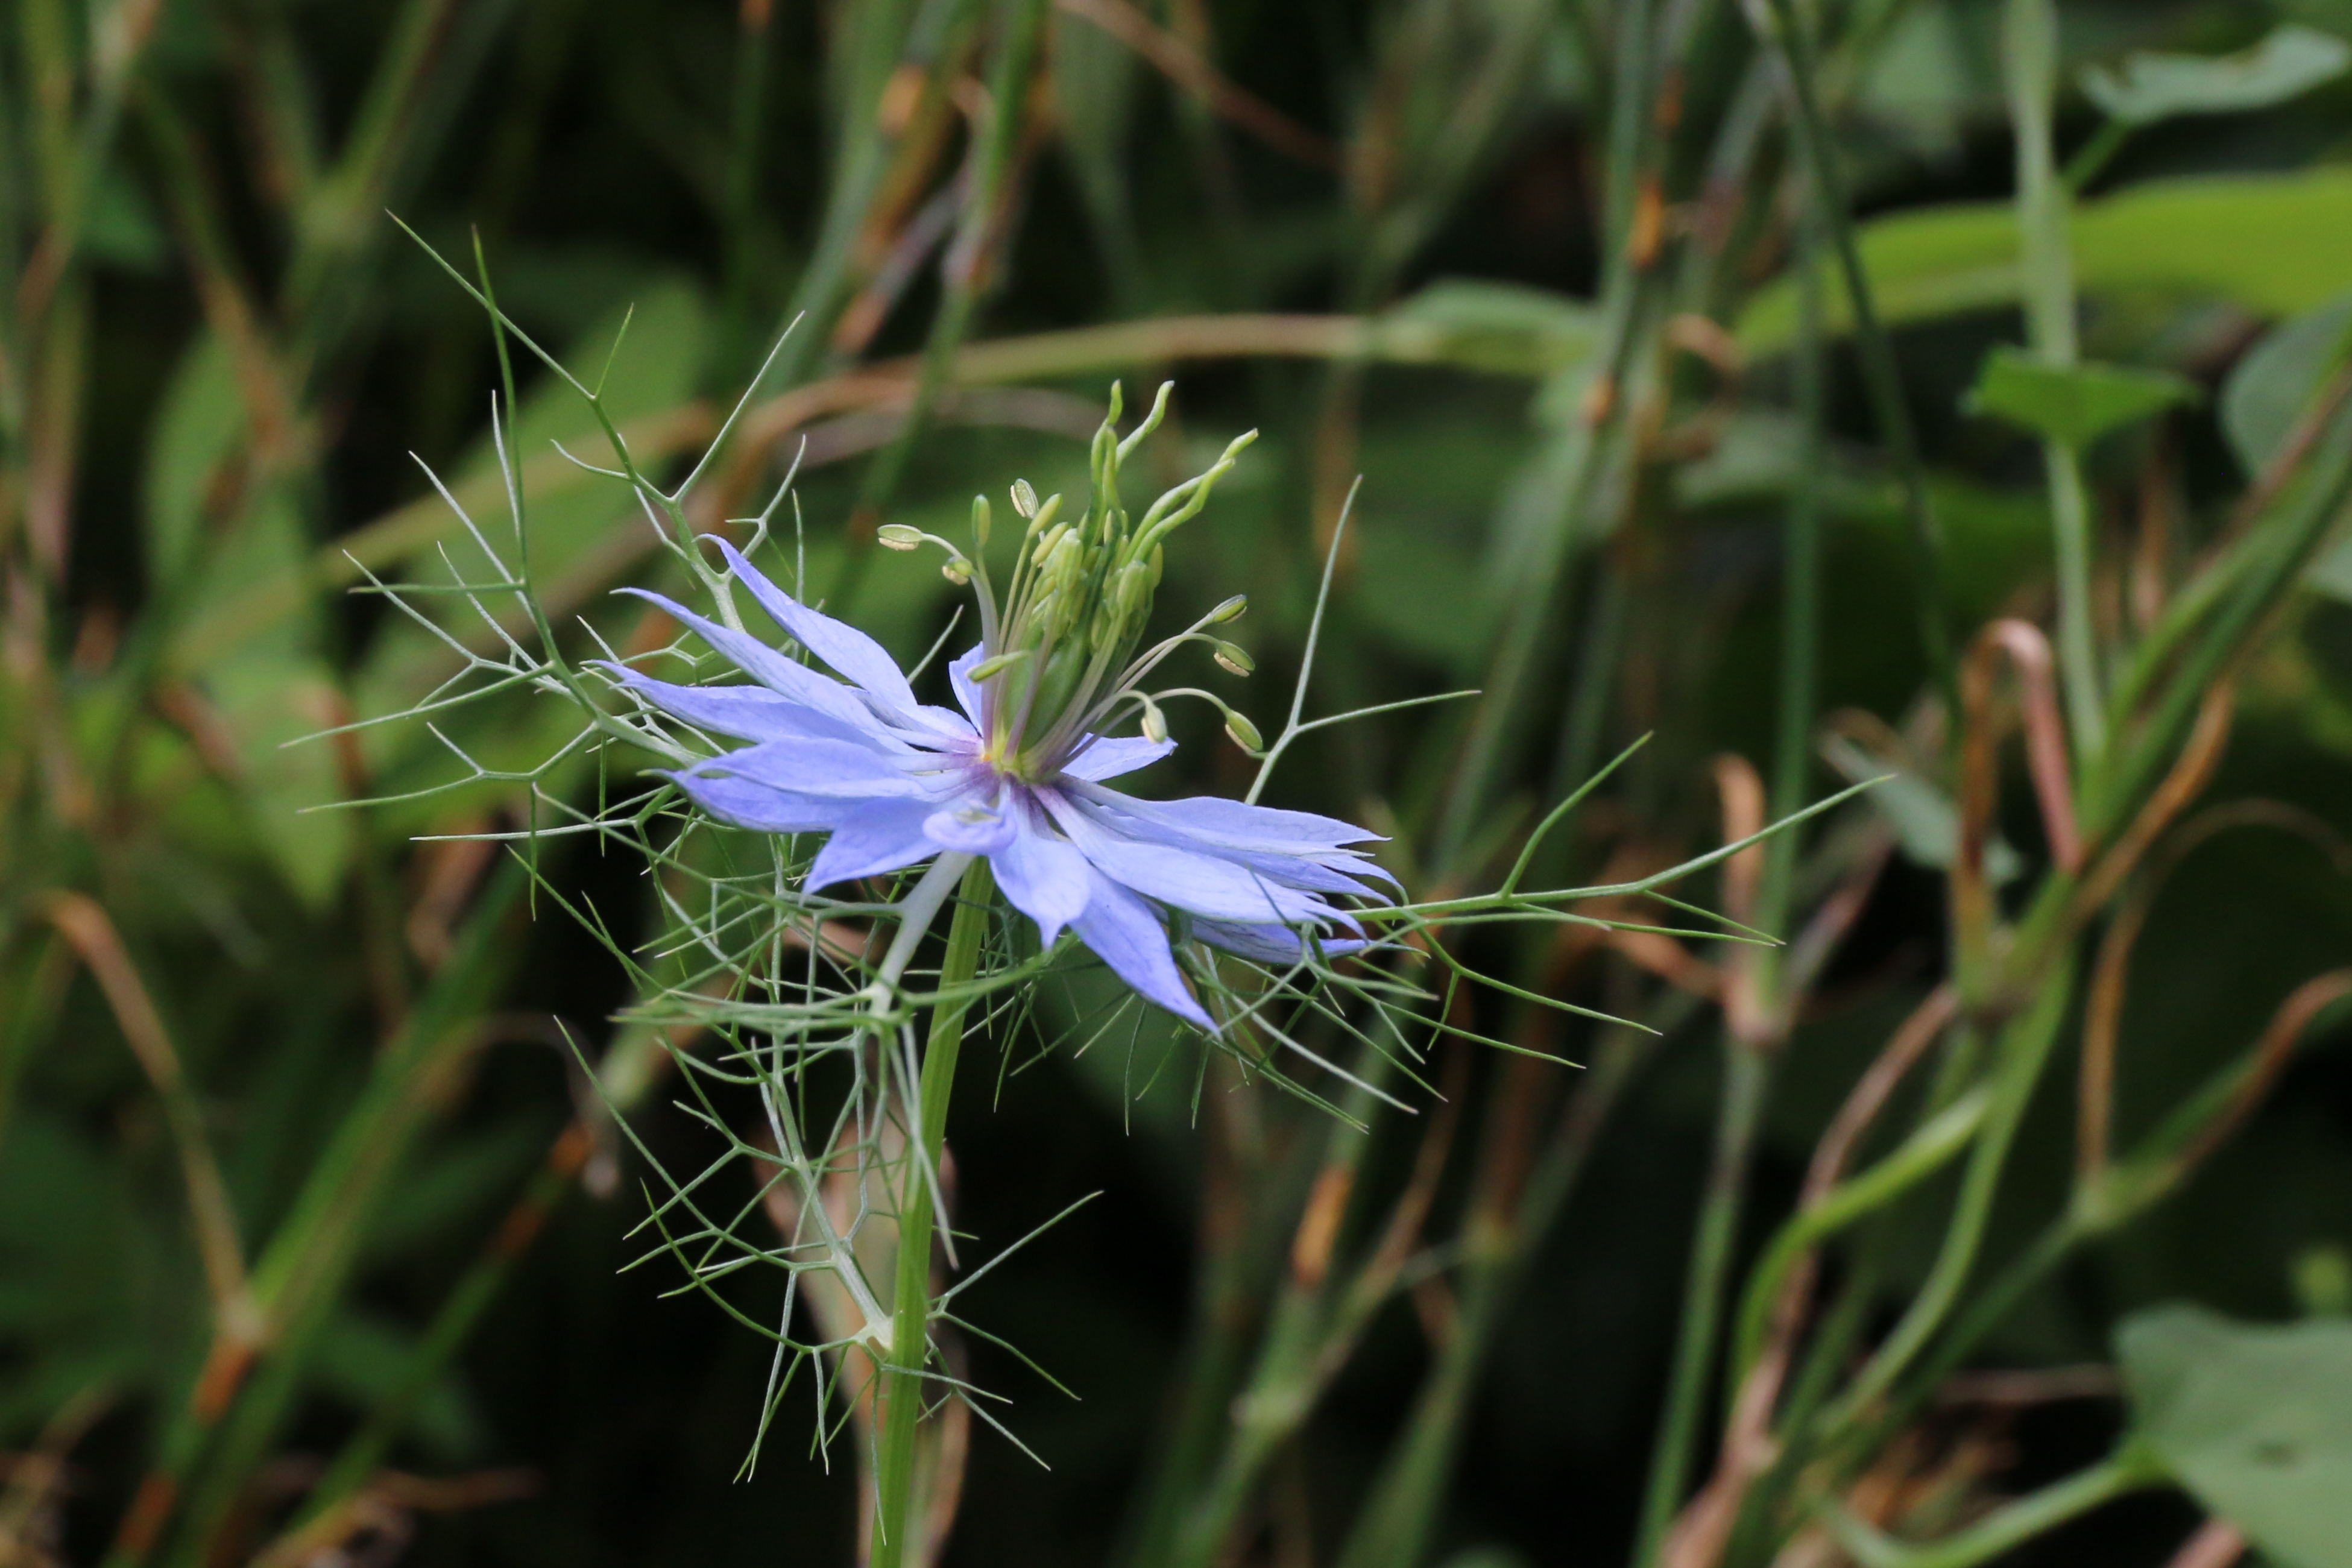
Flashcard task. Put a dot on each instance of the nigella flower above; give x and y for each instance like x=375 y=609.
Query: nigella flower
x=1017 y=776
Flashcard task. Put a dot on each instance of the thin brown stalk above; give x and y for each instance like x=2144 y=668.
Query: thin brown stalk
x=1189 y=69
x=2045 y=746
x=1747 y=1009
x=2303 y=1004
x=1748 y=1448
x=2191 y=771
x=2102 y=1016
x=83 y=923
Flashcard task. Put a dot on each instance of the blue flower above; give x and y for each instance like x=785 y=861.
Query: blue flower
x=1016 y=777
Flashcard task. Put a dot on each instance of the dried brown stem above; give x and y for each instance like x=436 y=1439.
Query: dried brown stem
x=1189 y=69
x=84 y=923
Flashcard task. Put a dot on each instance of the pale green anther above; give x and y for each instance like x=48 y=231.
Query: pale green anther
x=997 y=665
x=1024 y=498
x=897 y=536
x=1155 y=723
x=1048 y=510
x=1243 y=732
x=958 y=571
x=1233 y=658
x=1046 y=543
x=980 y=521
x=1231 y=610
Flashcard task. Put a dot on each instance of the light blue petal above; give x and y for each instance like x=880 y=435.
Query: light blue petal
x=1233 y=825
x=775 y=672
x=874 y=836
x=842 y=768
x=1196 y=824
x=1320 y=870
x=748 y=713
x=748 y=803
x=838 y=643
x=1043 y=875
x=1125 y=934
x=1108 y=756
x=1201 y=883
x=973 y=826
x=1266 y=943
x=967 y=690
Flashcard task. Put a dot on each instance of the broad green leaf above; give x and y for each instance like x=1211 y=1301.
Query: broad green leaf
x=2275 y=382
x=1094 y=100
x=2267 y=393
x=1926 y=822
x=366 y=1361
x=2271 y=243
x=198 y=425
x=2256 y=1420
x=2071 y=404
x=2148 y=87
x=1508 y=328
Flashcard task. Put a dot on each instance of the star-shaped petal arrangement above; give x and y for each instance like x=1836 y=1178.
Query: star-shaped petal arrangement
x=894 y=782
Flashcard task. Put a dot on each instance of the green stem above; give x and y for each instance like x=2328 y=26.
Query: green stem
x=1881 y=379
x=2025 y=1049
x=1577 y=463
x=2129 y=1469
x=1402 y=1512
x=2030 y=54
x=1747 y=1075
x=902 y=1394
x=970 y=265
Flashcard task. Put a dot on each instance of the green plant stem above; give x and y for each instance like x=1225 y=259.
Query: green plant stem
x=910 y=1314
x=2129 y=1469
x=2025 y=1049
x=1882 y=378
x=1748 y=1072
x=1626 y=286
x=971 y=265
x=1304 y=1343
x=2030 y=55
x=1401 y=1511
x=301 y=1273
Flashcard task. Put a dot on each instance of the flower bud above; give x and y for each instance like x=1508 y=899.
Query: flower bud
x=897 y=536
x=1231 y=610
x=1155 y=723
x=980 y=521
x=1232 y=658
x=1024 y=498
x=1243 y=733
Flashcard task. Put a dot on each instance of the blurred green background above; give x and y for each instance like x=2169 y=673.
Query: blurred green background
x=1371 y=229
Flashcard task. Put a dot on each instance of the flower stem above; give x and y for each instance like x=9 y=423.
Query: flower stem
x=902 y=1390
x=1747 y=1075
x=2046 y=260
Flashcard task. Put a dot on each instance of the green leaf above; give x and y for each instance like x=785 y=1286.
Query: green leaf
x=1926 y=822
x=2275 y=382
x=2071 y=404
x=2255 y=1420
x=2271 y=243
x=197 y=427
x=1508 y=328
x=2148 y=87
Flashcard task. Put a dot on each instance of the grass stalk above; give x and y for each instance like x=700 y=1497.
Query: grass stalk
x=1748 y=1072
x=1628 y=280
x=1791 y=38
x=904 y=1371
x=971 y=265
x=2030 y=59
